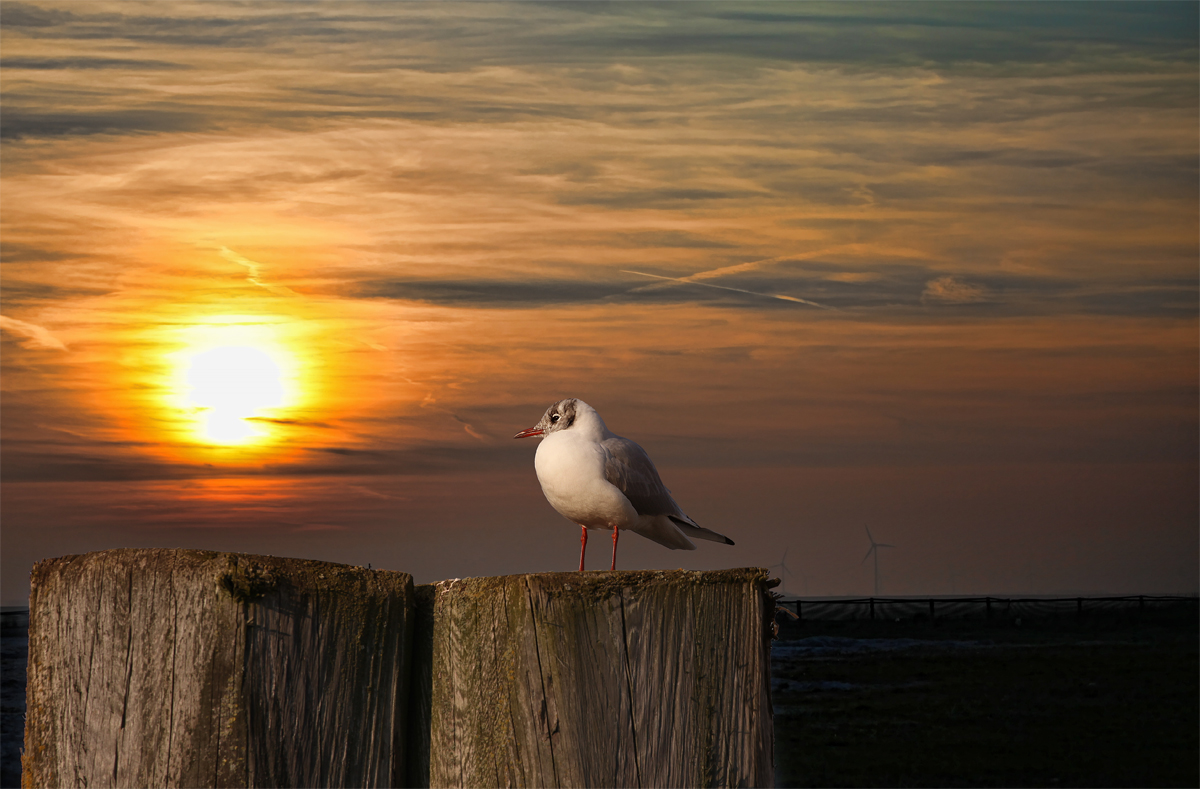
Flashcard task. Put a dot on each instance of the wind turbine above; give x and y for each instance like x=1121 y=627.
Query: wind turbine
x=784 y=572
x=874 y=549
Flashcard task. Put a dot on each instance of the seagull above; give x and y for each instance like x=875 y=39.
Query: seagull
x=603 y=481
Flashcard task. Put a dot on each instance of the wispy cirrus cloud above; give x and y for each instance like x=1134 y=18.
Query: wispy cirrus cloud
x=952 y=291
x=34 y=336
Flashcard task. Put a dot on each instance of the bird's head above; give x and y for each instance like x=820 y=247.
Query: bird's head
x=560 y=416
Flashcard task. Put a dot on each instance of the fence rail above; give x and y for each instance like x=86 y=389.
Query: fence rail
x=900 y=608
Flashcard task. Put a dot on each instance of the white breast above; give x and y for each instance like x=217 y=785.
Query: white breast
x=571 y=470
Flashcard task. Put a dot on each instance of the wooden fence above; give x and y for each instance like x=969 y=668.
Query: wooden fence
x=986 y=608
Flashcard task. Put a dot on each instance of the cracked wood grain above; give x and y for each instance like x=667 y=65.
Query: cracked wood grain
x=189 y=668
x=196 y=669
x=601 y=679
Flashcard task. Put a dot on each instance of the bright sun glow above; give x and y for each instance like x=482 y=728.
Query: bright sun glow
x=233 y=378
x=233 y=384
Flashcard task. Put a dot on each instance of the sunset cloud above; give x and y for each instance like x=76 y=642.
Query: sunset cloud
x=949 y=290
x=35 y=337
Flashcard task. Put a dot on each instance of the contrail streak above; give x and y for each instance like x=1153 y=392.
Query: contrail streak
x=686 y=281
x=254 y=273
x=749 y=266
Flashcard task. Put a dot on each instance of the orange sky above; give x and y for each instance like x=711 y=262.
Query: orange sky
x=287 y=278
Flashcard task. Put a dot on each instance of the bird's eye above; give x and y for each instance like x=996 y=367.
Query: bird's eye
x=554 y=418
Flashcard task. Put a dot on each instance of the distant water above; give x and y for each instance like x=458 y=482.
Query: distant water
x=14 y=651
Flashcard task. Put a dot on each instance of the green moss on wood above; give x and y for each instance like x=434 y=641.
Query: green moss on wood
x=245 y=580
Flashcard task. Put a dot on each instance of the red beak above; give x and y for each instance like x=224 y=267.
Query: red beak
x=529 y=431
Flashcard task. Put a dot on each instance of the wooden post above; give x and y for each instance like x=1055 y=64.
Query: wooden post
x=202 y=669
x=596 y=679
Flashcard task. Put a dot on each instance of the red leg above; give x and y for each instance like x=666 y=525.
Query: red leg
x=616 y=531
x=582 y=546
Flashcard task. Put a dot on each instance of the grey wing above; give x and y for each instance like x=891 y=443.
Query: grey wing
x=629 y=468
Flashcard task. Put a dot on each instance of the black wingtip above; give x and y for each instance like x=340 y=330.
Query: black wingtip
x=729 y=541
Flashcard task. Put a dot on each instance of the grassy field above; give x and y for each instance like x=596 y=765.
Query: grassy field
x=1092 y=701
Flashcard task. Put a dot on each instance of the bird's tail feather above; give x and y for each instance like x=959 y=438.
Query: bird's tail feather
x=664 y=531
x=690 y=528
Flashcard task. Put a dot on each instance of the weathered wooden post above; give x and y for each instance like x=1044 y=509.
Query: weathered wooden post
x=638 y=678
x=203 y=669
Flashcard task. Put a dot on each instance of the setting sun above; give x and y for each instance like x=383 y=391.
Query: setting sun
x=232 y=376
x=232 y=384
